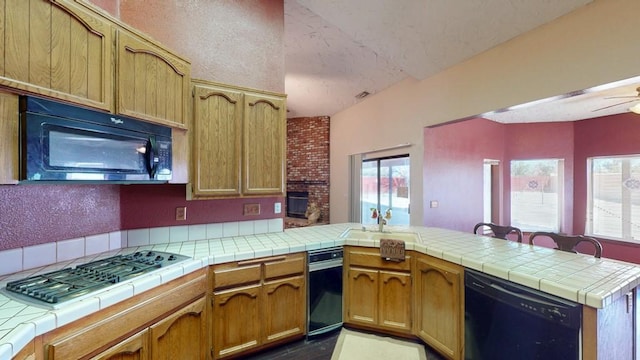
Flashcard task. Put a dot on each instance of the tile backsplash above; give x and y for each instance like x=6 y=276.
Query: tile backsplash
x=19 y=259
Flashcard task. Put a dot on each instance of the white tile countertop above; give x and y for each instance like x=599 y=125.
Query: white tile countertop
x=576 y=277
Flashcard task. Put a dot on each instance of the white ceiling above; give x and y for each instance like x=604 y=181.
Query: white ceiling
x=336 y=49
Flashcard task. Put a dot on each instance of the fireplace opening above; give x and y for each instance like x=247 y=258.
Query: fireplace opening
x=297 y=202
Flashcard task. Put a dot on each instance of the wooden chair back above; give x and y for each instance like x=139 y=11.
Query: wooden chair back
x=569 y=242
x=499 y=231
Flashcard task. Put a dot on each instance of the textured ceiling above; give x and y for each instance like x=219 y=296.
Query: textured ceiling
x=335 y=49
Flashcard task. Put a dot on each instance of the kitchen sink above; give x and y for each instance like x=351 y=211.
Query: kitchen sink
x=359 y=234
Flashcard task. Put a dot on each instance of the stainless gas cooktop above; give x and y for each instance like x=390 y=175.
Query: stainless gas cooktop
x=71 y=283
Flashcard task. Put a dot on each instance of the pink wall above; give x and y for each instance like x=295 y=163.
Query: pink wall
x=145 y=206
x=607 y=135
x=35 y=214
x=237 y=42
x=453 y=171
x=543 y=140
x=453 y=160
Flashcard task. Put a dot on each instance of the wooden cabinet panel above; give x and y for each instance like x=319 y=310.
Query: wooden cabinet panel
x=284 y=309
x=394 y=310
x=133 y=348
x=8 y=138
x=378 y=292
x=439 y=304
x=58 y=49
x=98 y=332
x=264 y=144
x=236 y=324
x=181 y=335
x=258 y=314
x=217 y=140
x=289 y=265
x=152 y=83
x=239 y=141
x=233 y=274
x=370 y=257
x=362 y=297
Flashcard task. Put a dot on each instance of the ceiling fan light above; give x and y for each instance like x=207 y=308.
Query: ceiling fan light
x=635 y=108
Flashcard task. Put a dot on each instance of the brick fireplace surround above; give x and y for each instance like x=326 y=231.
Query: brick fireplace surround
x=308 y=163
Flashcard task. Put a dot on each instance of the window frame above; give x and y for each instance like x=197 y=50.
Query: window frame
x=626 y=236
x=558 y=222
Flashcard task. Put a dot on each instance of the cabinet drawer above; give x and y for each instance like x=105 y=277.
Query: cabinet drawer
x=233 y=274
x=291 y=265
x=370 y=257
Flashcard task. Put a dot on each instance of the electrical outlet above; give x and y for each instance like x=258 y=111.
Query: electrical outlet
x=433 y=204
x=181 y=213
x=277 y=208
x=251 y=209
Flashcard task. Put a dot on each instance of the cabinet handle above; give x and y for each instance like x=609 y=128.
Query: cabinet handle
x=261 y=260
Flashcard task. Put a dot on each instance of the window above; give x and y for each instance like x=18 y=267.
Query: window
x=385 y=185
x=537 y=194
x=613 y=197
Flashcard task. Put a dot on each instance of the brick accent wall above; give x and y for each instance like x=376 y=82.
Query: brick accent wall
x=308 y=162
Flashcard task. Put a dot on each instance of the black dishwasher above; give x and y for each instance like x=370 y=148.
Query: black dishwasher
x=324 y=297
x=504 y=320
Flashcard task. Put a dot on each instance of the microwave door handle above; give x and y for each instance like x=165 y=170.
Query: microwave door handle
x=152 y=159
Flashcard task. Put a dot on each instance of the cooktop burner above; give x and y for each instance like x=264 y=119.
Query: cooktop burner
x=70 y=283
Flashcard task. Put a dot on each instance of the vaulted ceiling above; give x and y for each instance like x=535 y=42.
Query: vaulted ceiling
x=337 y=49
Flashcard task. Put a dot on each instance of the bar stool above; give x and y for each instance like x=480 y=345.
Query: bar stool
x=499 y=231
x=569 y=242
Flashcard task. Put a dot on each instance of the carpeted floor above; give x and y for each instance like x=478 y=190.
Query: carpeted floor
x=353 y=345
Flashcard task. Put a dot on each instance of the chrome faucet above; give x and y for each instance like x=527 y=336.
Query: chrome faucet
x=382 y=221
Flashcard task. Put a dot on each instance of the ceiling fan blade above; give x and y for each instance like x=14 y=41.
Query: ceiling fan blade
x=622 y=97
x=610 y=106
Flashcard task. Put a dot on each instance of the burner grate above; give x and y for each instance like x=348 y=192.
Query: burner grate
x=69 y=283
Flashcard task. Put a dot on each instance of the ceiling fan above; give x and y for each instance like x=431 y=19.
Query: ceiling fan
x=633 y=99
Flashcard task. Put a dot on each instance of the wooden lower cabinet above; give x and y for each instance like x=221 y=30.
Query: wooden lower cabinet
x=258 y=303
x=439 y=304
x=236 y=327
x=181 y=335
x=167 y=322
x=135 y=347
x=378 y=292
x=284 y=302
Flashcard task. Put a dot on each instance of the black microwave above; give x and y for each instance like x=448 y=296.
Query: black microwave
x=62 y=142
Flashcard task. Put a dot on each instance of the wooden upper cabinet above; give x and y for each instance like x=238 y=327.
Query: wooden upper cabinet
x=217 y=138
x=239 y=141
x=57 y=49
x=152 y=83
x=265 y=127
x=8 y=138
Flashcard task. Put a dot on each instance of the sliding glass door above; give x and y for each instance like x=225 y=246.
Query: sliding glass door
x=385 y=185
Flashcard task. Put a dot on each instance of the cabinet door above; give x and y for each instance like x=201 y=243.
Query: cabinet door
x=8 y=138
x=264 y=144
x=181 y=335
x=395 y=301
x=236 y=320
x=152 y=83
x=284 y=308
x=133 y=348
x=217 y=137
x=438 y=295
x=58 y=49
x=362 y=298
